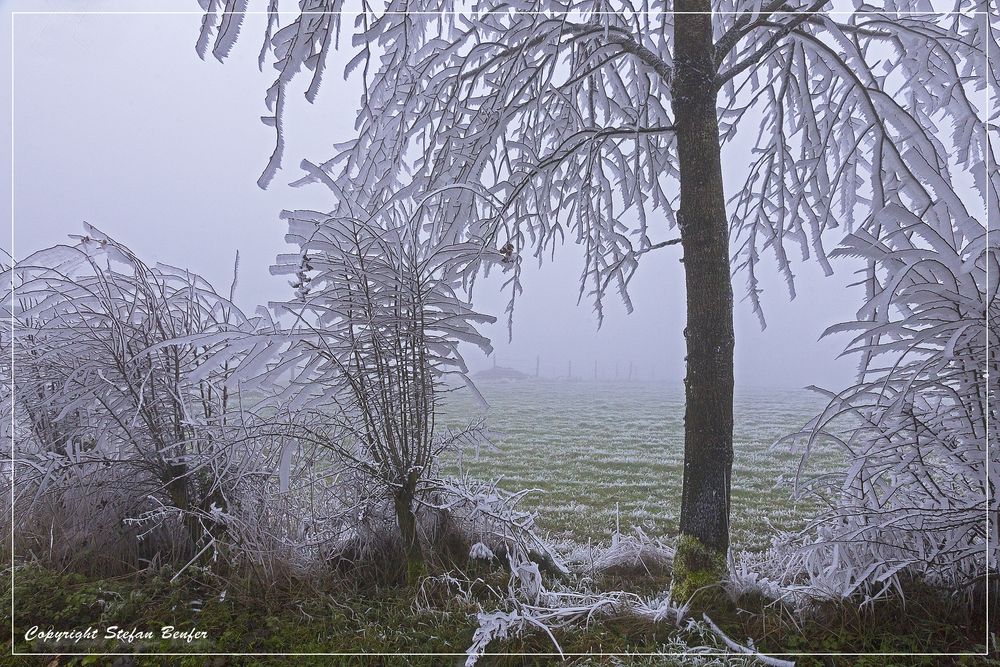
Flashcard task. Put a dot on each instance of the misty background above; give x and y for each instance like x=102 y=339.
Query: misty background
x=117 y=122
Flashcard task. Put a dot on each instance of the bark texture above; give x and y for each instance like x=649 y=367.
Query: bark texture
x=176 y=480
x=407 y=521
x=708 y=418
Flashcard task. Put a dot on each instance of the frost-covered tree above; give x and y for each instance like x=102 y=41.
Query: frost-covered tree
x=515 y=124
x=117 y=413
x=368 y=347
x=917 y=497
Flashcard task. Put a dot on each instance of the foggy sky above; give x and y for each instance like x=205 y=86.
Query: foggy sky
x=116 y=121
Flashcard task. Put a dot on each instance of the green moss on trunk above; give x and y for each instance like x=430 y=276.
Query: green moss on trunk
x=698 y=572
x=416 y=569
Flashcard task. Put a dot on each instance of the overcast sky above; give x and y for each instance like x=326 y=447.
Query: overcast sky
x=116 y=121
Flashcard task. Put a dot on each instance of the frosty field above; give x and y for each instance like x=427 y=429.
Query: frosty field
x=598 y=452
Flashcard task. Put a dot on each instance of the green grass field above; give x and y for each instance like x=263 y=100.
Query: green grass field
x=604 y=451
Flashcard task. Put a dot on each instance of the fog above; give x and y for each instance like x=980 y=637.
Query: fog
x=117 y=122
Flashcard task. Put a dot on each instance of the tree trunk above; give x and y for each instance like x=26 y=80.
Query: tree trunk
x=708 y=418
x=415 y=567
x=176 y=479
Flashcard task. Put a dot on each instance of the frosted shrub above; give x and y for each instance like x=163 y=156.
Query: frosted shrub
x=912 y=499
x=113 y=418
x=358 y=362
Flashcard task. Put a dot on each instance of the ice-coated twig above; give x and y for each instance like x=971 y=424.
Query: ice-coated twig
x=739 y=648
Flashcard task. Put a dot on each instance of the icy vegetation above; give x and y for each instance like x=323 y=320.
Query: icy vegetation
x=515 y=129
x=153 y=422
x=136 y=438
x=125 y=442
x=917 y=497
